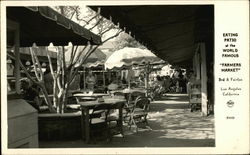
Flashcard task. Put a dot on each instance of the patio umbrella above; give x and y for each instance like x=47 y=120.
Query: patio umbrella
x=129 y=56
x=97 y=58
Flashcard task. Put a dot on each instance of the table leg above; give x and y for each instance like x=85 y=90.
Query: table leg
x=85 y=124
x=120 y=125
x=87 y=135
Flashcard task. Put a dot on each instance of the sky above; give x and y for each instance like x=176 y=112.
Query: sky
x=84 y=10
x=86 y=14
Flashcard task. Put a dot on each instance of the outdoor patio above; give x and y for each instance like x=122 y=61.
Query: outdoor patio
x=82 y=94
x=172 y=124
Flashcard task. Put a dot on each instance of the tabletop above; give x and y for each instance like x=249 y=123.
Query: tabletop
x=89 y=95
x=50 y=95
x=127 y=91
x=106 y=101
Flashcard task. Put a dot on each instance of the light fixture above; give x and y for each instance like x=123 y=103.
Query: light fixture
x=44 y=64
x=9 y=61
x=27 y=63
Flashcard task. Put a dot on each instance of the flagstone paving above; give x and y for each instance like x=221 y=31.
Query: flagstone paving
x=171 y=125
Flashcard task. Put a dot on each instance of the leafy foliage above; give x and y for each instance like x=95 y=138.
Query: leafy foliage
x=125 y=40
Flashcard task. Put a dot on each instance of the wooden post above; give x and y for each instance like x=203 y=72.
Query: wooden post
x=203 y=80
x=194 y=62
x=198 y=66
x=13 y=26
x=17 y=65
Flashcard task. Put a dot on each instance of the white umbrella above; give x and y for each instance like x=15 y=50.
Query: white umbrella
x=129 y=56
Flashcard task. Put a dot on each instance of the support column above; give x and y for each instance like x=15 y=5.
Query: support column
x=198 y=66
x=17 y=65
x=203 y=80
x=13 y=26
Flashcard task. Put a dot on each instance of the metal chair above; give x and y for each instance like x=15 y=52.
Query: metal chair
x=136 y=94
x=141 y=110
x=137 y=113
x=98 y=123
x=105 y=125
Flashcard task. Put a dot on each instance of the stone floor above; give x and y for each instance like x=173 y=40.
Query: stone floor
x=171 y=125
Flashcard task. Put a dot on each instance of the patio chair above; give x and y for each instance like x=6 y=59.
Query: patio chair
x=138 y=112
x=113 y=123
x=113 y=117
x=135 y=94
x=129 y=107
x=105 y=125
x=132 y=97
x=141 y=110
x=99 y=124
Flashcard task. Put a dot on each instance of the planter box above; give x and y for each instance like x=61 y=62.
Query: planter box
x=65 y=126
x=22 y=125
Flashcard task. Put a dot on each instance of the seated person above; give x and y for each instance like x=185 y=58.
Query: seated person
x=90 y=81
x=141 y=81
x=113 y=85
x=30 y=93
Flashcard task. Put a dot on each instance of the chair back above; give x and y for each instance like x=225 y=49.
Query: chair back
x=136 y=94
x=100 y=110
x=142 y=102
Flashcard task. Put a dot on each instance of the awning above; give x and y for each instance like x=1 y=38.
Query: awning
x=25 y=55
x=43 y=25
x=170 y=31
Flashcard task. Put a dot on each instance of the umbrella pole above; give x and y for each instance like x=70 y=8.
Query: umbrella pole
x=84 y=79
x=103 y=75
x=129 y=79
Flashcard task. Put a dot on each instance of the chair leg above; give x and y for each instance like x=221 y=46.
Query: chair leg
x=130 y=123
x=146 y=122
x=135 y=124
x=121 y=131
x=109 y=135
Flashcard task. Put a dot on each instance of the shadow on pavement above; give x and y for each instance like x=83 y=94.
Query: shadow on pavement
x=172 y=125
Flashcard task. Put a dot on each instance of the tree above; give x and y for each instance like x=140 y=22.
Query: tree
x=125 y=40
x=65 y=74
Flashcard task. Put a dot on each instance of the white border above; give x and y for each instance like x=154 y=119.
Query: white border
x=231 y=137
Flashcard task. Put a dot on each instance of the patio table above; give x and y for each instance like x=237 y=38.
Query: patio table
x=113 y=103
x=88 y=96
x=128 y=92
